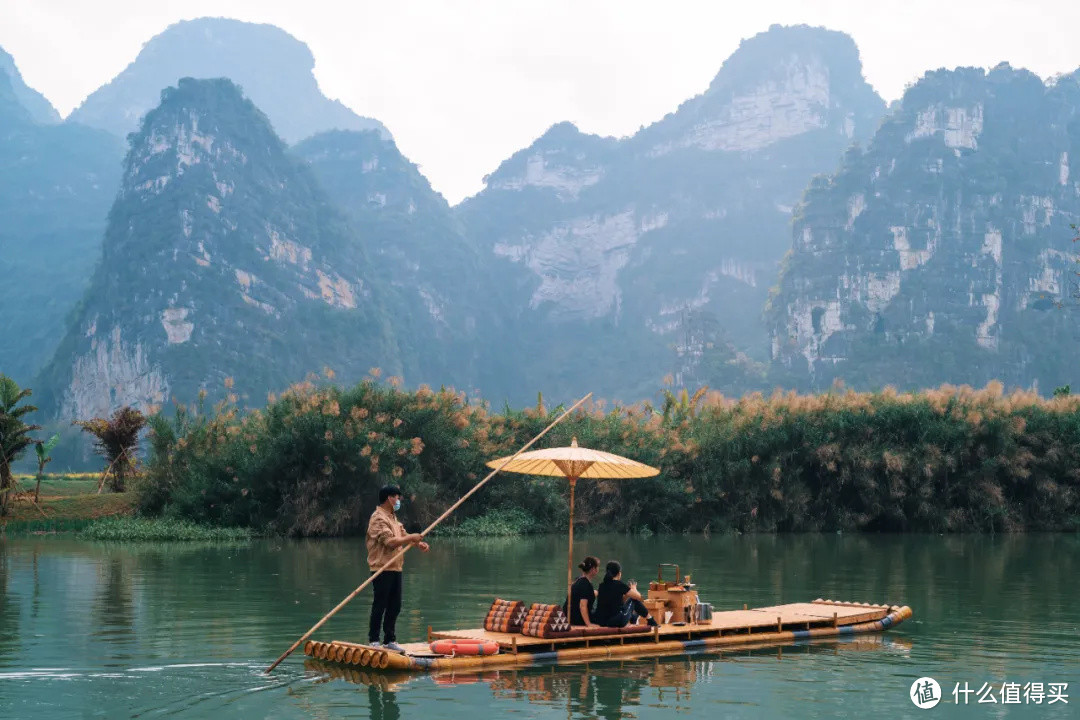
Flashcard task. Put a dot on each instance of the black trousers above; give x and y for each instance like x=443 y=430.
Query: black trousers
x=386 y=606
x=630 y=612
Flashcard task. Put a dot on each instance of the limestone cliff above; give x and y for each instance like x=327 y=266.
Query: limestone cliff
x=223 y=257
x=610 y=255
x=943 y=252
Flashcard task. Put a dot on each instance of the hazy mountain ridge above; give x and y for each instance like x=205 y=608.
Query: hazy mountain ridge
x=37 y=107
x=628 y=248
x=272 y=67
x=432 y=271
x=587 y=263
x=56 y=183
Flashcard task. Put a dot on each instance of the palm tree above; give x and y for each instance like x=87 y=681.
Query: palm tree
x=14 y=434
x=43 y=449
x=116 y=440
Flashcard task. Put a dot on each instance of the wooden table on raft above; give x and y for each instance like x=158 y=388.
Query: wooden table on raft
x=794 y=616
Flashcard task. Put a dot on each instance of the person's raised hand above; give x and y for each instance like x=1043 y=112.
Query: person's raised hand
x=424 y=547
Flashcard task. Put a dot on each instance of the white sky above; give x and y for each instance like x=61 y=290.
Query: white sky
x=463 y=84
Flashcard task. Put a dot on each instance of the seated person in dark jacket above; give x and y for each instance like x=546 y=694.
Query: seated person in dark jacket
x=582 y=594
x=619 y=604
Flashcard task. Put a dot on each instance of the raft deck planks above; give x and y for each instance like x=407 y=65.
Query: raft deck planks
x=795 y=615
x=774 y=624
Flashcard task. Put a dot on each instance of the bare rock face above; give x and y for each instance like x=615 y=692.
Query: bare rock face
x=111 y=374
x=623 y=250
x=795 y=102
x=222 y=258
x=943 y=253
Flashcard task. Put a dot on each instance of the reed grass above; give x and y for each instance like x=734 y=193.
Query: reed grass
x=951 y=459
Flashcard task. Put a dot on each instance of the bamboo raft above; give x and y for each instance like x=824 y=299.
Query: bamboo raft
x=668 y=669
x=778 y=624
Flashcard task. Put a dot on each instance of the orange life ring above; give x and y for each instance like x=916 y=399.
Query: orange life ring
x=465 y=647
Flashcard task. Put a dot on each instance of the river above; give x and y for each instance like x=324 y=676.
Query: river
x=93 y=630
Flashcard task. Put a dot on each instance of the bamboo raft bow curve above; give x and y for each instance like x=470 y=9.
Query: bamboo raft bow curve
x=778 y=625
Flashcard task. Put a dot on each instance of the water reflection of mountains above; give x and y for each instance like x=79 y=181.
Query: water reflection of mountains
x=598 y=688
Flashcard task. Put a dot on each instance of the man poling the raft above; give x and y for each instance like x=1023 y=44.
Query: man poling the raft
x=429 y=528
x=385 y=534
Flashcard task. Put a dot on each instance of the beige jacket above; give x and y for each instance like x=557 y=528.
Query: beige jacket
x=383 y=526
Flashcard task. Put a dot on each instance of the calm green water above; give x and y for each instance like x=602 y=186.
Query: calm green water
x=94 y=630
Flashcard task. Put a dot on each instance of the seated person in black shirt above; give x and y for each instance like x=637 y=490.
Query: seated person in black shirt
x=619 y=604
x=582 y=594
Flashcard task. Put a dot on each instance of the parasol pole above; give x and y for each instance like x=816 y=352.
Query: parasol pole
x=570 y=554
x=430 y=527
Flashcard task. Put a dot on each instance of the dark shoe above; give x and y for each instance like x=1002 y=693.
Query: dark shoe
x=650 y=622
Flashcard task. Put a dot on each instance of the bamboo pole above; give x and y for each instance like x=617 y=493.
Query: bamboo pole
x=429 y=528
x=570 y=554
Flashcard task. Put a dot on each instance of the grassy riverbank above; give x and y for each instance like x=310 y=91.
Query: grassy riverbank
x=68 y=502
x=71 y=504
x=944 y=460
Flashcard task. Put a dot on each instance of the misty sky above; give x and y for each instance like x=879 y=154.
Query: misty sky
x=462 y=85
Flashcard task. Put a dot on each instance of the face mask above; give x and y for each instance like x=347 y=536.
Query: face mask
x=397 y=504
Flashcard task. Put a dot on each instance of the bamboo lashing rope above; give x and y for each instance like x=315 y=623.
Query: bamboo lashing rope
x=429 y=528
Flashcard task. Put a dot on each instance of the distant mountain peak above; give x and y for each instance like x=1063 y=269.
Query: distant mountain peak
x=758 y=58
x=563 y=159
x=273 y=68
x=248 y=255
x=37 y=107
x=778 y=84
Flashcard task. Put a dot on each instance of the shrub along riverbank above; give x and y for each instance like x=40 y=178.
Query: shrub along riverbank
x=944 y=460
